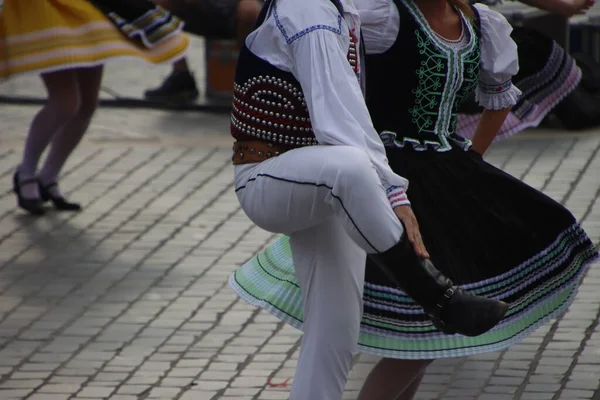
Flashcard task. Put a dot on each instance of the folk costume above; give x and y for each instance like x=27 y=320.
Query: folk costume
x=487 y=231
x=547 y=75
x=309 y=164
x=38 y=36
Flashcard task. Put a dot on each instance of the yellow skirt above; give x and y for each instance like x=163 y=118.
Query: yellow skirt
x=49 y=35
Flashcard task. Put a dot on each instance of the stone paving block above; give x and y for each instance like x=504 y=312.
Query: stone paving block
x=461 y=393
x=134 y=390
x=587 y=384
x=198 y=395
x=218 y=375
x=21 y=383
x=273 y=396
x=500 y=390
x=59 y=388
x=246 y=392
x=14 y=393
x=95 y=392
x=423 y=394
x=487 y=396
x=31 y=375
x=211 y=385
x=164 y=393
x=45 y=396
x=537 y=395
x=579 y=394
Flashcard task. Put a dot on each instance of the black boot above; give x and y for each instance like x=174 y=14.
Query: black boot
x=451 y=309
x=180 y=86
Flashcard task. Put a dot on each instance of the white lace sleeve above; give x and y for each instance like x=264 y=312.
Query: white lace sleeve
x=499 y=61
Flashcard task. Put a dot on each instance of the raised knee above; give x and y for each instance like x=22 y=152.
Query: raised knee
x=352 y=155
x=354 y=163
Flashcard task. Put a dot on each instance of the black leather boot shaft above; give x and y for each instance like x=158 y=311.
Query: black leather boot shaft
x=416 y=277
x=451 y=309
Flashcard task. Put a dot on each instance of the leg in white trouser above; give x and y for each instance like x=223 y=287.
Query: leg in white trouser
x=330 y=269
x=330 y=201
x=305 y=187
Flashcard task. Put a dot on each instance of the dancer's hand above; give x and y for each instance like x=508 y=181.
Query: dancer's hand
x=408 y=218
x=585 y=6
x=569 y=8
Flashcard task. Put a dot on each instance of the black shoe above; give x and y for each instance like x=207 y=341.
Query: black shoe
x=451 y=309
x=33 y=205
x=59 y=202
x=180 y=86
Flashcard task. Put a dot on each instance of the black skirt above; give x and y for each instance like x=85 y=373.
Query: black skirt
x=476 y=220
x=491 y=233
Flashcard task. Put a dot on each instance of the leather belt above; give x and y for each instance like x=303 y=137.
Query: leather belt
x=253 y=151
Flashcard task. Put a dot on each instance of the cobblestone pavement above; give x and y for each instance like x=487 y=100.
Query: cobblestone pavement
x=128 y=299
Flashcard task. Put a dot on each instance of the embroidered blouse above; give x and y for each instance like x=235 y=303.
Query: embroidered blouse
x=310 y=39
x=499 y=59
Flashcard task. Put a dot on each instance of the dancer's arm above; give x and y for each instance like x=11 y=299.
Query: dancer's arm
x=333 y=95
x=499 y=63
x=489 y=124
x=566 y=8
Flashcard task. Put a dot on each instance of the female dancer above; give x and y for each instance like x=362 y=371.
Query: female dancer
x=326 y=182
x=484 y=229
x=547 y=74
x=67 y=42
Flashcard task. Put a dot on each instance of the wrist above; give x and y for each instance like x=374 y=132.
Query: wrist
x=397 y=196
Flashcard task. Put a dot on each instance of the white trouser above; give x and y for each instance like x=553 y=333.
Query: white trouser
x=329 y=200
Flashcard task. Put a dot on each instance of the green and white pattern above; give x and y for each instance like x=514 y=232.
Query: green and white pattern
x=268 y=281
x=447 y=75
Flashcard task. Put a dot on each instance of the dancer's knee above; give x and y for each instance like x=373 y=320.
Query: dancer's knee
x=66 y=106
x=87 y=108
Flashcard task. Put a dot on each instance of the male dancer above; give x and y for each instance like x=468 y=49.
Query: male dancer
x=309 y=164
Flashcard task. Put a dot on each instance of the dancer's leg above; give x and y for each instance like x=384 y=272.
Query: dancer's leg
x=330 y=272
x=411 y=391
x=68 y=137
x=393 y=379
x=61 y=106
x=305 y=187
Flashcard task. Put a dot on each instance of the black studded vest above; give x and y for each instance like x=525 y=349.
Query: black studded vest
x=427 y=79
x=268 y=103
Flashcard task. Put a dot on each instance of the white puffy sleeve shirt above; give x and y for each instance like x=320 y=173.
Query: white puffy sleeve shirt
x=499 y=60
x=310 y=39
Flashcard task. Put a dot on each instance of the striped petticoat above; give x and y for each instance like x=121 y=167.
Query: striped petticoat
x=140 y=20
x=38 y=36
x=547 y=74
x=489 y=232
